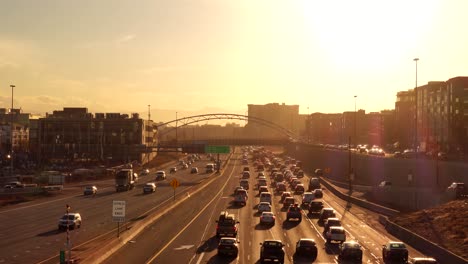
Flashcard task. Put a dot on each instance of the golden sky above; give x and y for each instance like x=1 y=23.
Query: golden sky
x=220 y=55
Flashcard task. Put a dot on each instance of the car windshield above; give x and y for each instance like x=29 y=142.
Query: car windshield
x=70 y=217
x=307 y=243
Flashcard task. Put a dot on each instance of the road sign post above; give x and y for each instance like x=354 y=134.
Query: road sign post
x=118 y=213
x=174 y=183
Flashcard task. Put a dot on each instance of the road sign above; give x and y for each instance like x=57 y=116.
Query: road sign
x=175 y=183
x=118 y=211
x=217 y=149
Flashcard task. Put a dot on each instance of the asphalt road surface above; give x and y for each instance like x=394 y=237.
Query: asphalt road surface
x=187 y=234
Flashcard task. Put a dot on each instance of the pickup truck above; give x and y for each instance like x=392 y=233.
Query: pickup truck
x=227 y=225
x=335 y=234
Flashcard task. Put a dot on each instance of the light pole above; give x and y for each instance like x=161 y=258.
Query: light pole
x=355 y=121
x=416 y=108
x=176 y=135
x=11 y=130
x=308 y=125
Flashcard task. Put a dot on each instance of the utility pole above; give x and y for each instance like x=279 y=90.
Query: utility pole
x=147 y=133
x=176 y=135
x=416 y=109
x=11 y=131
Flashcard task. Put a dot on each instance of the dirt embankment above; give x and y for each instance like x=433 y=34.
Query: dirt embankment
x=445 y=225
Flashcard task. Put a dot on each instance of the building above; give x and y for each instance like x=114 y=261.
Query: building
x=405 y=119
x=286 y=116
x=74 y=134
x=325 y=128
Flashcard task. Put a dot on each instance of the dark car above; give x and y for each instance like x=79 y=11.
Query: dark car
x=350 y=252
x=228 y=246
x=288 y=201
x=394 y=251
x=262 y=189
x=294 y=212
x=326 y=213
x=315 y=207
x=272 y=250
x=299 y=189
x=331 y=221
x=318 y=193
x=280 y=187
x=306 y=247
x=194 y=170
x=90 y=190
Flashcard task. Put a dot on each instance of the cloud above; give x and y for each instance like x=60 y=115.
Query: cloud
x=125 y=38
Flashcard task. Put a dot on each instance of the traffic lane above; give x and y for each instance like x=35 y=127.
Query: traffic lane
x=34 y=236
x=156 y=236
x=363 y=225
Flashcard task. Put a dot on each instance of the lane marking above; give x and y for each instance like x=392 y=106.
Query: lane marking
x=201 y=257
x=193 y=220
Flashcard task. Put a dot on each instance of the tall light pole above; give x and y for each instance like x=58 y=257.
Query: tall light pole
x=308 y=125
x=176 y=135
x=355 y=121
x=11 y=130
x=416 y=107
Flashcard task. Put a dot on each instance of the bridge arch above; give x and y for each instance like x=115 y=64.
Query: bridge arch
x=224 y=116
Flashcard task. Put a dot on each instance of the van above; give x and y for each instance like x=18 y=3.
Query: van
x=210 y=167
x=265 y=197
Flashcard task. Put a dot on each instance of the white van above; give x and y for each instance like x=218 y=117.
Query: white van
x=265 y=197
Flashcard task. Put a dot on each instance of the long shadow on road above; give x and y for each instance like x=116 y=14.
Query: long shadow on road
x=209 y=245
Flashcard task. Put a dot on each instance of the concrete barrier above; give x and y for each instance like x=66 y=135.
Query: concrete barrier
x=365 y=204
x=421 y=243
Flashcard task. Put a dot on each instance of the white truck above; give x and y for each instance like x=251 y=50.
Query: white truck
x=125 y=179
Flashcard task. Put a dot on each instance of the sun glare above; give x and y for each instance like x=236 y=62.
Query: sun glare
x=367 y=34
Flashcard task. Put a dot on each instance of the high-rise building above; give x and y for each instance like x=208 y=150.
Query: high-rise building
x=286 y=116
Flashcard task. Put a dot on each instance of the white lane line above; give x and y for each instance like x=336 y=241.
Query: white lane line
x=200 y=258
x=195 y=218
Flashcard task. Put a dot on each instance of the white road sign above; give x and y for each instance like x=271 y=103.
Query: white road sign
x=118 y=209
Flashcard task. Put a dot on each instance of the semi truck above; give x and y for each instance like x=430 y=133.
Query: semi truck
x=125 y=179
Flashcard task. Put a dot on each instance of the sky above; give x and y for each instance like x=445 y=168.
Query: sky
x=206 y=56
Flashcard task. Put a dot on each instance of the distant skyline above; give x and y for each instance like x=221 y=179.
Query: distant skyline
x=191 y=56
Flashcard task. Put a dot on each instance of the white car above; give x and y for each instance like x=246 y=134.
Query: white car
x=71 y=220
x=264 y=207
x=149 y=187
x=335 y=234
x=267 y=218
x=160 y=175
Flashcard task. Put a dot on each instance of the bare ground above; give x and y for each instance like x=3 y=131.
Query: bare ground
x=445 y=225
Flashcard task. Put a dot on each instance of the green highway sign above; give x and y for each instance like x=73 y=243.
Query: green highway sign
x=217 y=149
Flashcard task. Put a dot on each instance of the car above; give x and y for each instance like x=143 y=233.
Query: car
x=149 y=187
x=267 y=218
x=264 y=207
x=265 y=197
x=245 y=175
x=262 y=189
x=237 y=189
x=247 y=168
x=194 y=170
x=144 y=172
x=318 y=193
x=262 y=182
x=331 y=221
x=173 y=170
x=394 y=251
x=458 y=189
x=314 y=183
x=315 y=207
x=272 y=250
x=227 y=225
x=306 y=247
x=228 y=246
x=326 y=213
x=160 y=175
x=244 y=183
x=90 y=190
x=397 y=154
x=408 y=154
x=240 y=197
x=185 y=166
x=280 y=187
x=300 y=174
x=209 y=168
x=318 y=172
x=294 y=212
x=261 y=174
x=385 y=184
x=420 y=260
x=70 y=220
x=288 y=201
x=299 y=189
x=335 y=234
x=284 y=195
x=350 y=251
x=307 y=197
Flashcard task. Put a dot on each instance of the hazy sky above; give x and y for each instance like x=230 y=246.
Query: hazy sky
x=220 y=55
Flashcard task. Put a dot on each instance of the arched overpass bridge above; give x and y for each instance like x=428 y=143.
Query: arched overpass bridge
x=163 y=129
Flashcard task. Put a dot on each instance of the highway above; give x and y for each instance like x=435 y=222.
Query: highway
x=187 y=233
x=29 y=232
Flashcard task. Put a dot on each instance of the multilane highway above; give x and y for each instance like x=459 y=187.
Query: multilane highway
x=187 y=233
x=29 y=231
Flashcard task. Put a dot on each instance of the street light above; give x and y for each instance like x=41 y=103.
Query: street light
x=355 y=121
x=176 y=135
x=416 y=108
x=11 y=130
